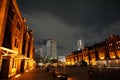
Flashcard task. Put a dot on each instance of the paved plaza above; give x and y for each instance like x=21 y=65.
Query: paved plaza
x=74 y=73
x=35 y=74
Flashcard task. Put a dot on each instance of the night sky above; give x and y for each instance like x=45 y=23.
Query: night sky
x=67 y=21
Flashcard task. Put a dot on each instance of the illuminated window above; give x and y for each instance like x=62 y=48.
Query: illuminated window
x=117 y=42
x=13 y=63
x=118 y=47
x=16 y=43
x=111 y=44
x=112 y=55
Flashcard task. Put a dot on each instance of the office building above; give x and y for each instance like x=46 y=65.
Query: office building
x=50 y=48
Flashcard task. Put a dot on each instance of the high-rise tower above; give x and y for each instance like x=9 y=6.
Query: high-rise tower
x=80 y=44
x=51 y=49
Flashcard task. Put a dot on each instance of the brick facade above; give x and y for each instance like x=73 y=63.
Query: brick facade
x=16 y=42
x=103 y=53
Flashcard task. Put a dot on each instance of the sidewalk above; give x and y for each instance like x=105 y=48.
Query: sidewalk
x=34 y=74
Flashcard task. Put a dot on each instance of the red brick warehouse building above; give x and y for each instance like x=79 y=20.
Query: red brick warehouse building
x=16 y=42
x=103 y=53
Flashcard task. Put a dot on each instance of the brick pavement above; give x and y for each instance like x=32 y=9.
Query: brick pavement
x=106 y=73
x=77 y=73
x=35 y=74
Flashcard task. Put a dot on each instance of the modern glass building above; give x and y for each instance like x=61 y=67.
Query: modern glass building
x=50 y=49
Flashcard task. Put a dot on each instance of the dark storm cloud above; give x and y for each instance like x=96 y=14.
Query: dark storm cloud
x=66 y=21
x=78 y=11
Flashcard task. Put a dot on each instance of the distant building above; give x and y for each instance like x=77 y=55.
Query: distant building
x=44 y=50
x=61 y=58
x=50 y=47
x=80 y=44
x=38 y=55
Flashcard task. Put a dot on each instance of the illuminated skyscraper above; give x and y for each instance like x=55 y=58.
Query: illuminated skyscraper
x=51 y=49
x=80 y=44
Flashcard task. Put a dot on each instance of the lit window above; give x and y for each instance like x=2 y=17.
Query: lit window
x=118 y=47
x=13 y=63
x=111 y=44
x=16 y=43
x=117 y=42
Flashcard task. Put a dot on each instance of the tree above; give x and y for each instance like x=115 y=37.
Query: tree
x=54 y=60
